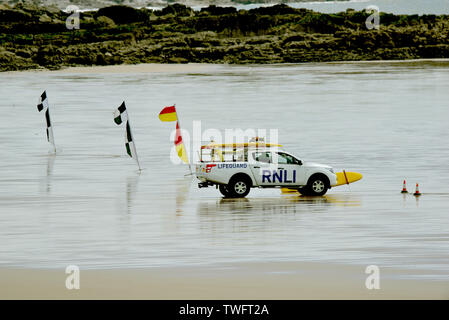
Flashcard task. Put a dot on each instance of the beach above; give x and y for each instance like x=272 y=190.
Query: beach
x=155 y=235
x=259 y=281
x=139 y=68
x=196 y=67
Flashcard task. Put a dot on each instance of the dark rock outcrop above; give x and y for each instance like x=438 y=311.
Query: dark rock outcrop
x=123 y=14
x=37 y=37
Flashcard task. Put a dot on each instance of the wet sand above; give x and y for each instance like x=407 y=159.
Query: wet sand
x=283 y=280
x=89 y=206
x=139 y=68
x=199 y=67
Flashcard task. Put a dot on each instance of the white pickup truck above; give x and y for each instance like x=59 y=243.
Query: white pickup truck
x=263 y=168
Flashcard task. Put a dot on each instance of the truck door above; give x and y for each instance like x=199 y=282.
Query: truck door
x=260 y=164
x=289 y=170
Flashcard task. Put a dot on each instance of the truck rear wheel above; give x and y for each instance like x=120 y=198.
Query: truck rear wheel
x=224 y=190
x=239 y=187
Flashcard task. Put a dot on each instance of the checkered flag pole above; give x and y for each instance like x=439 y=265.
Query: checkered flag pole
x=43 y=105
x=120 y=116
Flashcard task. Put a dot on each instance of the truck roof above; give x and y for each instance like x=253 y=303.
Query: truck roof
x=252 y=145
x=235 y=155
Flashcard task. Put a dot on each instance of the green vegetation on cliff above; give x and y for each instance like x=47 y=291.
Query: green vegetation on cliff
x=35 y=37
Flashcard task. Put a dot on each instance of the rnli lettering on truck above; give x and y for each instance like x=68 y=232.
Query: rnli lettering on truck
x=281 y=176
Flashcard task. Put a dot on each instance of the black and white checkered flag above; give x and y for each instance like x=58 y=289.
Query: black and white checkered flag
x=43 y=105
x=120 y=116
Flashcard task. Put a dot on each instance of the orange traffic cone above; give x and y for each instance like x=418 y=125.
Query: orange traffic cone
x=417 y=193
x=404 y=188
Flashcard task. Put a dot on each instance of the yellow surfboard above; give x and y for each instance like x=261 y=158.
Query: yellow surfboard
x=288 y=190
x=343 y=178
x=346 y=177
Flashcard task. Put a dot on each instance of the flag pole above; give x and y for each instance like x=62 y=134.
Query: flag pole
x=179 y=123
x=137 y=158
x=51 y=125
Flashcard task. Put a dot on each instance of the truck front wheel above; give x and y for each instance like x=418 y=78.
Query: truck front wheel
x=316 y=186
x=239 y=187
x=304 y=191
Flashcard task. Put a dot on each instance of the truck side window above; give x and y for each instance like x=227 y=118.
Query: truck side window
x=264 y=157
x=286 y=159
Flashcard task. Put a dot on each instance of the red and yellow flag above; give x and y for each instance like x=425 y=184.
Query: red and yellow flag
x=168 y=114
x=180 y=148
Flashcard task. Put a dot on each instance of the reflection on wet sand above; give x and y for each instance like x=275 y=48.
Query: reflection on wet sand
x=46 y=180
x=267 y=215
x=173 y=217
x=182 y=191
x=131 y=189
x=282 y=205
x=344 y=200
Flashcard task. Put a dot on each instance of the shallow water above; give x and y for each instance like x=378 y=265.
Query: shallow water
x=390 y=6
x=89 y=206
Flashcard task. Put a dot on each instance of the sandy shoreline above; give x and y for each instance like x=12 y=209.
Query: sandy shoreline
x=195 y=67
x=283 y=280
x=131 y=68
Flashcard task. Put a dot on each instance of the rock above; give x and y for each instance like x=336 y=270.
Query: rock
x=10 y=62
x=53 y=9
x=33 y=37
x=105 y=22
x=177 y=60
x=57 y=21
x=279 y=9
x=44 y=18
x=177 y=10
x=123 y=14
x=7 y=15
x=216 y=11
x=27 y=6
